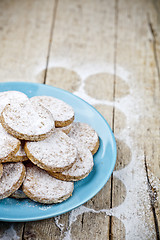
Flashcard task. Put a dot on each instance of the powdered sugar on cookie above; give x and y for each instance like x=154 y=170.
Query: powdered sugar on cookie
x=61 y=111
x=10 y=96
x=55 y=153
x=8 y=145
x=12 y=178
x=80 y=169
x=41 y=187
x=27 y=121
x=83 y=134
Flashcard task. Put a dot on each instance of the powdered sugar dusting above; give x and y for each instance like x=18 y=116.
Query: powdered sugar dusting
x=83 y=164
x=10 y=96
x=60 y=110
x=27 y=118
x=56 y=151
x=7 y=143
x=10 y=233
x=11 y=175
x=84 y=134
x=44 y=187
x=134 y=212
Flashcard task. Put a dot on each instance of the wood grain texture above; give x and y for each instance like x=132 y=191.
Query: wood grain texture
x=24 y=36
x=137 y=50
x=82 y=33
x=41 y=42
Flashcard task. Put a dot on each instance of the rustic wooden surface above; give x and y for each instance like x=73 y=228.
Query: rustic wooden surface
x=107 y=52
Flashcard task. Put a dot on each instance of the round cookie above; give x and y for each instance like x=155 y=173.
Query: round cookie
x=20 y=156
x=55 y=153
x=1 y=170
x=10 y=96
x=12 y=178
x=80 y=169
x=18 y=194
x=41 y=187
x=9 y=145
x=83 y=134
x=27 y=121
x=63 y=113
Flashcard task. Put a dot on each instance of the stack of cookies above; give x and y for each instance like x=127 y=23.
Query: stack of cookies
x=42 y=150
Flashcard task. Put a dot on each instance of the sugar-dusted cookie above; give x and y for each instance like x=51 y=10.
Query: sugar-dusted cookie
x=27 y=121
x=12 y=178
x=80 y=169
x=1 y=170
x=83 y=134
x=63 y=113
x=55 y=153
x=19 y=194
x=10 y=96
x=9 y=145
x=20 y=156
x=41 y=187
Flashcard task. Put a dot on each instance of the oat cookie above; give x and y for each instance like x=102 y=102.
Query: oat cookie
x=1 y=170
x=9 y=145
x=55 y=153
x=12 y=178
x=61 y=111
x=27 y=121
x=80 y=169
x=41 y=187
x=85 y=135
x=10 y=96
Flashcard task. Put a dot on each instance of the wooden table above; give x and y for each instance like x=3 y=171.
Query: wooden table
x=108 y=53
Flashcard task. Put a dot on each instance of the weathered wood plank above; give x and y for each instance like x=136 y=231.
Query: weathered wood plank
x=24 y=36
x=84 y=35
x=135 y=53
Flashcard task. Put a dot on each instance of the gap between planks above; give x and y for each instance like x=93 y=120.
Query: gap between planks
x=114 y=93
x=55 y=5
x=152 y=196
x=50 y=38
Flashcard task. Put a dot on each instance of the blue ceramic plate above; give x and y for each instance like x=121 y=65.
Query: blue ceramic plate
x=104 y=160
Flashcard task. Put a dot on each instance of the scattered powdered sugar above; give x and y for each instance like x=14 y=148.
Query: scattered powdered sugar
x=60 y=110
x=10 y=96
x=56 y=151
x=84 y=134
x=9 y=234
x=7 y=143
x=11 y=175
x=135 y=211
x=45 y=187
x=28 y=118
